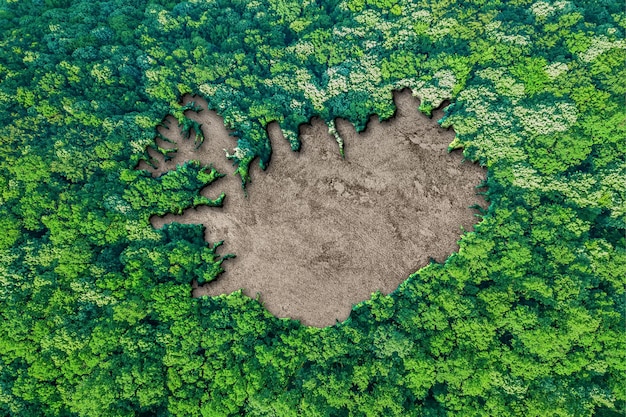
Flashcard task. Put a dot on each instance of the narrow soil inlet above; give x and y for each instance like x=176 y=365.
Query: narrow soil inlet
x=318 y=233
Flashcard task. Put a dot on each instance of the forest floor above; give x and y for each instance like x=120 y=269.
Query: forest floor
x=317 y=234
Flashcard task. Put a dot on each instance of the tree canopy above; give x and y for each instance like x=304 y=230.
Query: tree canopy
x=97 y=319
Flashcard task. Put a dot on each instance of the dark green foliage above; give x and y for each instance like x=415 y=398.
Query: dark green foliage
x=96 y=316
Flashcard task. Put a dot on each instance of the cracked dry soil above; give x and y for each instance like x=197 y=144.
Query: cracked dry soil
x=318 y=233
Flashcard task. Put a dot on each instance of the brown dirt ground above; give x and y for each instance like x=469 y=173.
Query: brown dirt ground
x=316 y=233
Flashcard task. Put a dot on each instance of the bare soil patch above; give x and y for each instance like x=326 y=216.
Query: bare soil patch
x=318 y=233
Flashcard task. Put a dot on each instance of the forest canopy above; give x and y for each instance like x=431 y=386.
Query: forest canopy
x=97 y=319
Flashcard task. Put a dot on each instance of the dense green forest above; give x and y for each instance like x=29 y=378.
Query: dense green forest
x=528 y=318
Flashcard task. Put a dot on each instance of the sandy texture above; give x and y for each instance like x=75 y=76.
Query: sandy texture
x=316 y=233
